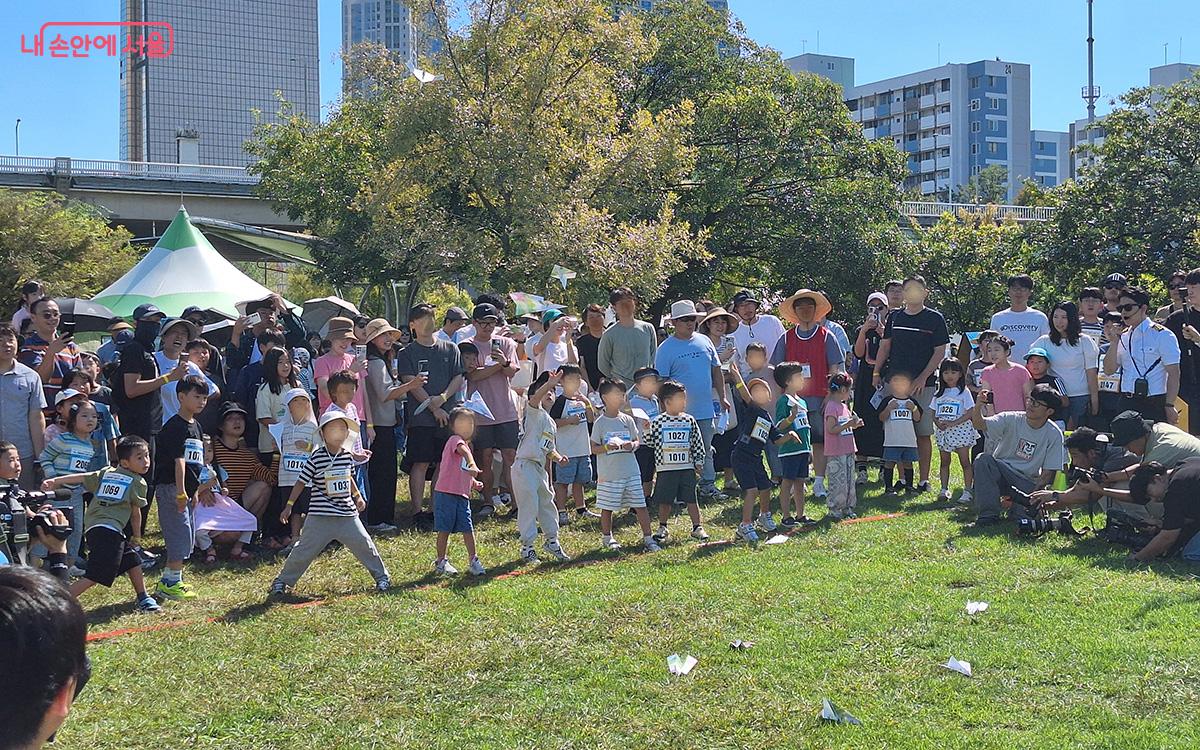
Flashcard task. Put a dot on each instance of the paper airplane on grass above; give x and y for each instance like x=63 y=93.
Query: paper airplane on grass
x=974 y=608
x=962 y=667
x=740 y=645
x=679 y=666
x=832 y=712
x=778 y=539
x=562 y=274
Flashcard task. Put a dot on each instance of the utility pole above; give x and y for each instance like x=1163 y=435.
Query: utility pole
x=17 y=136
x=1092 y=92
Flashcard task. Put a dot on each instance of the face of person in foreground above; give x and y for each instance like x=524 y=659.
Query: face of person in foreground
x=806 y=311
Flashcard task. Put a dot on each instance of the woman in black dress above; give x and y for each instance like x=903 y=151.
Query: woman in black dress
x=869 y=437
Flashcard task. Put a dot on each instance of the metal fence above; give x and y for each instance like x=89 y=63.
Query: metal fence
x=921 y=209
x=61 y=166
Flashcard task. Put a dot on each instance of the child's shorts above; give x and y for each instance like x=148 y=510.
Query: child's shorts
x=109 y=555
x=451 y=513
x=619 y=494
x=750 y=472
x=575 y=471
x=794 y=466
x=675 y=486
x=899 y=455
x=178 y=529
x=645 y=461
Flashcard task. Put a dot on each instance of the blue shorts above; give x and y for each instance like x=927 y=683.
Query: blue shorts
x=574 y=471
x=750 y=472
x=451 y=513
x=899 y=455
x=794 y=466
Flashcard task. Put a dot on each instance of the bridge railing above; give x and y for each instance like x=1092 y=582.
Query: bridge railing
x=61 y=166
x=922 y=209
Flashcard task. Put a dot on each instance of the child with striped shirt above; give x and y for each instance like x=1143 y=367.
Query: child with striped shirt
x=674 y=436
x=619 y=483
x=333 y=506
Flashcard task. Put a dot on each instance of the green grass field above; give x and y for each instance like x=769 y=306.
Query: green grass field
x=1077 y=649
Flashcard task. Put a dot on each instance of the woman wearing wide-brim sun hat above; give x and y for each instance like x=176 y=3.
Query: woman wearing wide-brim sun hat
x=382 y=389
x=816 y=350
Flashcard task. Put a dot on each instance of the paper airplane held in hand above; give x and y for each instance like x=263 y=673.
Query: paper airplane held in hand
x=679 y=666
x=832 y=712
x=475 y=403
x=562 y=274
x=962 y=667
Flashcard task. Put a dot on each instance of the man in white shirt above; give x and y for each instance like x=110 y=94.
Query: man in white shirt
x=1147 y=356
x=453 y=322
x=765 y=329
x=174 y=337
x=1021 y=323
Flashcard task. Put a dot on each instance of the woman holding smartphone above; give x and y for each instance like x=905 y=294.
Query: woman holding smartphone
x=868 y=438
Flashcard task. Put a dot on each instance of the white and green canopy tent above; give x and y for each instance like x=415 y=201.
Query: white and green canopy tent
x=183 y=269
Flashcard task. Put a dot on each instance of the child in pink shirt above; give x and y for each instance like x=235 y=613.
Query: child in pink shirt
x=452 y=492
x=840 y=424
x=1005 y=380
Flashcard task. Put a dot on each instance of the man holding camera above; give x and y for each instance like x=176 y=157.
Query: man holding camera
x=1185 y=324
x=1178 y=490
x=1093 y=458
x=1147 y=357
x=1027 y=450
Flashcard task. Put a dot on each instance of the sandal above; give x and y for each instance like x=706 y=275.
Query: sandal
x=241 y=556
x=210 y=555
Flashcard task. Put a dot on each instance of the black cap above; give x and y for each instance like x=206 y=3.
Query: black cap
x=485 y=311
x=455 y=314
x=1116 y=278
x=1129 y=426
x=645 y=372
x=193 y=310
x=146 y=310
x=232 y=407
x=745 y=296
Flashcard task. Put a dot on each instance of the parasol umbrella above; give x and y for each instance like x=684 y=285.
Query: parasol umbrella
x=317 y=312
x=85 y=314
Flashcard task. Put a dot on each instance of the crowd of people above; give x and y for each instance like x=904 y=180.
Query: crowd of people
x=286 y=440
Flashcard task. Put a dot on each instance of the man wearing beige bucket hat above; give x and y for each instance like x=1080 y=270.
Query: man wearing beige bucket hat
x=815 y=348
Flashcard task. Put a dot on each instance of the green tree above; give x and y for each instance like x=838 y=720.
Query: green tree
x=66 y=244
x=1138 y=209
x=989 y=186
x=518 y=158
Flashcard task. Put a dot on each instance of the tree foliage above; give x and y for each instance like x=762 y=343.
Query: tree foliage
x=64 y=243
x=989 y=186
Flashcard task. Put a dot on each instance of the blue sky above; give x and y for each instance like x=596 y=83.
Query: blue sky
x=69 y=107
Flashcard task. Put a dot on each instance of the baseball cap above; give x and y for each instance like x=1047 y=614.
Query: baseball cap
x=1115 y=279
x=455 y=314
x=645 y=372
x=1037 y=351
x=232 y=407
x=146 y=310
x=745 y=296
x=65 y=394
x=485 y=311
x=292 y=394
x=550 y=316
x=1129 y=426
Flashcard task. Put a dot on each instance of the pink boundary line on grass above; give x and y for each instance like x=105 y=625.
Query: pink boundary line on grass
x=110 y=634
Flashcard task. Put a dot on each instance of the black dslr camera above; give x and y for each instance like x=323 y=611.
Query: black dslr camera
x=1077 y=474
x=16 y=528
x=1044 y=524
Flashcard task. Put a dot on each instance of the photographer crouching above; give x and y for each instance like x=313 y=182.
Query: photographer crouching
x=1096 y=460
x=1178 y=490
x=26 y=516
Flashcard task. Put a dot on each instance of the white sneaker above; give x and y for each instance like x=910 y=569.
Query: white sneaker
x=444 y=568
x=662 y=535
x=607 y=542
x=498 y=500
x=556 y=551
x=476 y=568
x=505 y=499
x=767 y=522
x=819 y=487
x=700 y=534
x=651 y=545
x=944 y=495
x=563 y=518
x=745 y=532
x=529 y=555
x=587 y=514
x=965 y=498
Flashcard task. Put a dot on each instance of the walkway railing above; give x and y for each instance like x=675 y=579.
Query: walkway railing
x=922 y=209
x=63 y=166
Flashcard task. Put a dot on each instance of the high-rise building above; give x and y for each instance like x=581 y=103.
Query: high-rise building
x=1165 y=75
x=840 y=70
x=1050 y=157
x=230 y=58
x=407 y=33
x=951 y=122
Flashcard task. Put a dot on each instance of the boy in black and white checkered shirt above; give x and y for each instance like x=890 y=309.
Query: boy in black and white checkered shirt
x=678 y=458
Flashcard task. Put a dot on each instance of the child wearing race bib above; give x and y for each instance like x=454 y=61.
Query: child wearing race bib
x=952 y=408
x=840 y=424
x=117 y=494
x=106 y=434
x=614 y=440
x=297 y=439
x=756 y=428
x=643 y=396
x=452 y=493
x=530 y=482
x=899 y=415
x=678 y=448
x=572 y=412
x=333 y=507
x=217 y=518
x=791 y=412
x=178 y=461
x=71 y=453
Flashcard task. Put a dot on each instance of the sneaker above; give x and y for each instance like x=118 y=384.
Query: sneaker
x=944 y=495
x=278 y=588
x=652 y=546
x=584 y=514
x=819 y=487
x=505 y=499
x=767 y=522
x=745 y=532
x=444 y=568
x=498 y=500
x=712 y=494
x=607 y=542
x=563 y=518
x=662 y=535
x=485 y=511
x=805 y=520
x=851 y=514
x=476 y=568
x=381 y=528
x=965 y=498
x=556 y=551
x=862 y=477
x=789 y=522
x=835 y=517
x=383 y=584
x=177 y=591
x=923 y=487
x=700 y=534
x=76 y=572
x=529 y=555
x=149 y=560
x=146 y=603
